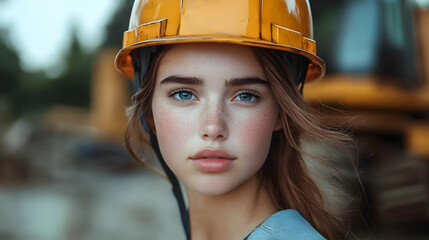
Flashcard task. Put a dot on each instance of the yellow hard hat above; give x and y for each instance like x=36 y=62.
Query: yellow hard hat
x=277 y=24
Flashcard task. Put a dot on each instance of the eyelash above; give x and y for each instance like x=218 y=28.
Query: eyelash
x=249 y=92
x=180 y=90
x=174 y=91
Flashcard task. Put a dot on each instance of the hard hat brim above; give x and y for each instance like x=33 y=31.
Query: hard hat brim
x=123 y=61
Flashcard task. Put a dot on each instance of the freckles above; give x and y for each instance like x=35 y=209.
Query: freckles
x=258 y=127
x=172 y=126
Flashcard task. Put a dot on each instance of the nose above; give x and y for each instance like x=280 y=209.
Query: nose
x=214 y=124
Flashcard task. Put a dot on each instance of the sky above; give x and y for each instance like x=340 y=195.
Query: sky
x=41 y=29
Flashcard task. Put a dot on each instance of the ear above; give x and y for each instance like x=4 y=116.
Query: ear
x=279 y=124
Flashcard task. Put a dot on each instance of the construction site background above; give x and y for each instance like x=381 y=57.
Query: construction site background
x=65 y=174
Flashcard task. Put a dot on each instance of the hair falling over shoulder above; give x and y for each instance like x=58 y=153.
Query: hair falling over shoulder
x=285 y=173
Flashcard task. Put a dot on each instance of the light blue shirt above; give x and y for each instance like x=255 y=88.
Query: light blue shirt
x=285 y=225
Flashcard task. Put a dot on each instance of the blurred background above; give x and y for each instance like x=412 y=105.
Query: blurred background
x=64 y=173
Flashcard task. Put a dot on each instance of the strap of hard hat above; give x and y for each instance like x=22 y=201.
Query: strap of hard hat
x=141 y=59
x=173 y=179
x=297 y=67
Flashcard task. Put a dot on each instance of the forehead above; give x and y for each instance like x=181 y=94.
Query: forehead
x=210 y=60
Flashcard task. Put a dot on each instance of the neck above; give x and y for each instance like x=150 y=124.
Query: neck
x=231 y=215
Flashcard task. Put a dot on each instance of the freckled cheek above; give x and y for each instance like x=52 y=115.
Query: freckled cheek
x=255 y=130
x=172 y=128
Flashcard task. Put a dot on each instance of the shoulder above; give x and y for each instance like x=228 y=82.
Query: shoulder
x=285 y=225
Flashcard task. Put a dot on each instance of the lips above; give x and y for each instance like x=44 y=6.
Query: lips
x=212 y=154
x=212 y=160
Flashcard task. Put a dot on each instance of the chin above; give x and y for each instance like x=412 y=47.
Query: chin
x=216 y=185
x=212 y=187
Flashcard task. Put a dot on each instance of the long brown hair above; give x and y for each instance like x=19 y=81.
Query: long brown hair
x=284 y=173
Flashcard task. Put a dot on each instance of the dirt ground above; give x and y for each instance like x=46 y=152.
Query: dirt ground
x=92 y=206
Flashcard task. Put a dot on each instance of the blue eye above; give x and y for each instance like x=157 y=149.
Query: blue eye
x=246 y=97
x=184 y=95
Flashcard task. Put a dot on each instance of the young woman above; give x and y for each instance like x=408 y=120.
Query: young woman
x=220 y=102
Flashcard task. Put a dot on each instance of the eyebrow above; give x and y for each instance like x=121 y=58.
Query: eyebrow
x=197 y=81
x=245 y=81
x=182 y=80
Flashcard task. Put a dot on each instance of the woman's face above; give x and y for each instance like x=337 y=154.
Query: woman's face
x=214 y=115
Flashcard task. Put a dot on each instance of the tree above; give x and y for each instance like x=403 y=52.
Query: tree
x=118 y=25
